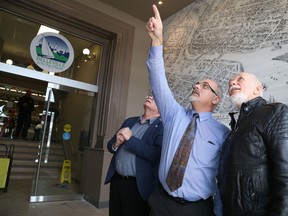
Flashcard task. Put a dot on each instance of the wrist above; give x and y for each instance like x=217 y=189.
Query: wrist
x=156 y=42
x=115 y=147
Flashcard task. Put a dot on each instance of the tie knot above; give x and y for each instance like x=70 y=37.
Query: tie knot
x=196 y=115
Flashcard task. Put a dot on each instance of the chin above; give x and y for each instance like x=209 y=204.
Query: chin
x=238 y=99
x=192 y=98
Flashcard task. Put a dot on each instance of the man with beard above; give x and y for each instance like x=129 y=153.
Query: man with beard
x=187 y=181
x=253 y=175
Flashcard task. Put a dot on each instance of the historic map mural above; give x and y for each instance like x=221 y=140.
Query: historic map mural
x=218 y=38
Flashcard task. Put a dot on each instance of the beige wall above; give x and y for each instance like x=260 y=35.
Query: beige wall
x=137 y=90
x=138 y=83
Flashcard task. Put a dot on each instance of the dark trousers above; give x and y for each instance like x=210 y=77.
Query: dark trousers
x=125 y=199
x=37 y=134
x=161 y=204
x=23 y=124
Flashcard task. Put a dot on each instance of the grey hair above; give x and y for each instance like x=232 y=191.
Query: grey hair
x=257 y=82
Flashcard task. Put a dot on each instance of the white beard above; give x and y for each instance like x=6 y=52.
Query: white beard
x=192 y=98
x=238 y=99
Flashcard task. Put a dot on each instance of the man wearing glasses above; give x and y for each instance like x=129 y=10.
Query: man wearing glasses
x=133 y=171
x=195 y=193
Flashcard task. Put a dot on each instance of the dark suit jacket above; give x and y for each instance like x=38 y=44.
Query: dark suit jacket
x=147 y=151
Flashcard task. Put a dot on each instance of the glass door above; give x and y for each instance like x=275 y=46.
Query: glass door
x=64 y=129
x=60 y=126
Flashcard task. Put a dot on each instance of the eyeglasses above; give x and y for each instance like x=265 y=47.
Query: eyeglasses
x=206 y=86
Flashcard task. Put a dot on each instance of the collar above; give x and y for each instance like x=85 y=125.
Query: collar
x=148 y=121
x=249 y=105
x=203 y=115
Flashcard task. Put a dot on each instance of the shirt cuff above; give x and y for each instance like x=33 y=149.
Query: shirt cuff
x=156 y=52
x=114 y=149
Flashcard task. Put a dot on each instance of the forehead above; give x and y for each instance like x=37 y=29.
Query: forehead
x=241 y=75
x=210 y=82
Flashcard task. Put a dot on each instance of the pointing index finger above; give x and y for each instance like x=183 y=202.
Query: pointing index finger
x=156 y=12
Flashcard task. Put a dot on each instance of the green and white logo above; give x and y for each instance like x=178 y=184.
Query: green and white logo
x=52 y=52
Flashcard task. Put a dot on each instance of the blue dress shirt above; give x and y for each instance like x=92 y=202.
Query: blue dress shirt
x=125 y=160
x=202 y=168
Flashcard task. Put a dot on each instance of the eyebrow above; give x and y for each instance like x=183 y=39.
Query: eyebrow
x=211 y=88
x=236 y=78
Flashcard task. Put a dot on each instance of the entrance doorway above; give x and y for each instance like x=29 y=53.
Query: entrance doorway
x=65 y=98
x=65 y=132
x=56 y=108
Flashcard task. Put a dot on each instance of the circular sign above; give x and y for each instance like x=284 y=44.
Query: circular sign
x=52 y=52
x=67 y=127
x=66 y=136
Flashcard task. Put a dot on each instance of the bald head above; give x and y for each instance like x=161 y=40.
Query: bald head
x=244 y=87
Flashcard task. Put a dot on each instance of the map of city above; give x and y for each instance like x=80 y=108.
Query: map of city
x=217 y=39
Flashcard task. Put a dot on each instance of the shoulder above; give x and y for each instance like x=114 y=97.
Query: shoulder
x=274 y=109
x=158 y=120
x=219 y=127
x=130 y=120
x=158 y=123
x=133 y=118
x=274 y=114
x=277 y=106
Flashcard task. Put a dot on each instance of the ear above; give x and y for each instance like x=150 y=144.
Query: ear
x=216 y=100
x=258 y=90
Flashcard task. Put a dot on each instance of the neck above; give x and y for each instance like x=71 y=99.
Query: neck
x=149 y=115
x=200 y=109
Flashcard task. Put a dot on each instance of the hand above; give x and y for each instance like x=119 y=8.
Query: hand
x=126 y=133
x=122 y=135
x=119 y=140
x=154 y=27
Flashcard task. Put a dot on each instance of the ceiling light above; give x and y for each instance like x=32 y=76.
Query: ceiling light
x=86 y=51
x=87 y=55
x=9 y=61
x=160 y=2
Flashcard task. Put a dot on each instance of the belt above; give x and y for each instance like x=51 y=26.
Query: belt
x=125 y=177
x=179 y=199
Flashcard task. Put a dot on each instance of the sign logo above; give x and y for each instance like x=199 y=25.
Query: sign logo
x=66 y=136
x=52 y=52
x=67 y=127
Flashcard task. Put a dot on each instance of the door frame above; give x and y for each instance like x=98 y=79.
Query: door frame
x=117 y=38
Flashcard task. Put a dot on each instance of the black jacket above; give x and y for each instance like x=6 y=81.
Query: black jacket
x=253 y=174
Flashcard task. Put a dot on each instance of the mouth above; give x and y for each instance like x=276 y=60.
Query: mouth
x=234 y=89
x=148 y=100
x=195 y=92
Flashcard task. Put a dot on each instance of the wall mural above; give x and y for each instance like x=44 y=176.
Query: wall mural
x=219 y=38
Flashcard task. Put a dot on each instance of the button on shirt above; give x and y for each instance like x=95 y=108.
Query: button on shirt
x=199 y=179
x=126 y=161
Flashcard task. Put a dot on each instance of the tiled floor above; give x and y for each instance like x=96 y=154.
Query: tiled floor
x=15 y=202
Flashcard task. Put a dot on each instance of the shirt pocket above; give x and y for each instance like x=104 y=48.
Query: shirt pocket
x=207 y=153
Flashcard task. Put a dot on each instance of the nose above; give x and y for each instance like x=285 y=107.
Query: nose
x=232 y=82
x=196 y=85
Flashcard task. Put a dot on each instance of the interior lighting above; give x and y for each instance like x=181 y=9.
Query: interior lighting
x=86 y=51
x=9 y=61
x=87 y=55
